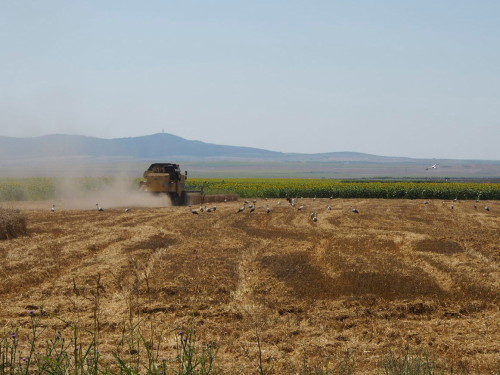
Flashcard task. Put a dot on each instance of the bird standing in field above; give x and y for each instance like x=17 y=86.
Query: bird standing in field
x=241 y=209
x=127 y=210
x=53 y=209
x=329 y=208
x=193 y=211
x=268 y=210
x=486 y=208
x=99 y=208
x=354 y=210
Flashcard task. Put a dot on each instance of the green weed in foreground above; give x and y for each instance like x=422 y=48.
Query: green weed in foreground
x=77 y=351
x=144 y=354
x=415 y=363
x=56 y=355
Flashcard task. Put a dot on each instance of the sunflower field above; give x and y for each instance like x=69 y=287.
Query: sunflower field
x=42 y=188
x=323 y=188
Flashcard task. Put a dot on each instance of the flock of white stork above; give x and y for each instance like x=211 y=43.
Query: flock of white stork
x=252 y=206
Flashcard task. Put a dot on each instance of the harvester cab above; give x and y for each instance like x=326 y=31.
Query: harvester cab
x=166 y=178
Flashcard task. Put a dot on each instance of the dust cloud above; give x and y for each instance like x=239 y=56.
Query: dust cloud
x=118 y=193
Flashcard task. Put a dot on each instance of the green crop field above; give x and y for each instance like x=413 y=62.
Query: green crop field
x=42 y=188
x=322 y=188
x=20 y=189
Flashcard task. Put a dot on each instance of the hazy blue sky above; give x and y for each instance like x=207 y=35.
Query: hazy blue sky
x=403 y=78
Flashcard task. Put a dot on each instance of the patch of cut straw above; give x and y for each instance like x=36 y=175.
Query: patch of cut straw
x=12 y=224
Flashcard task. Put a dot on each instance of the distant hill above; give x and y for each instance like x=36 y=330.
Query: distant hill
x=160 y=145
x=156 y=146
x=51 y=155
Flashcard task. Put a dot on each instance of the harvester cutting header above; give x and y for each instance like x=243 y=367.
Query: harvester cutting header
x=167 y=178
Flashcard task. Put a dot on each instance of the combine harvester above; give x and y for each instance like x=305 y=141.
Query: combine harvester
x=166 y=178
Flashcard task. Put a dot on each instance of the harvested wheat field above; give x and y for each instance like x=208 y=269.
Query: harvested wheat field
x=398 y=274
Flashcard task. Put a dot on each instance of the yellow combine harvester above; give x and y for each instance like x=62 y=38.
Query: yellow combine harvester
x=166 y=178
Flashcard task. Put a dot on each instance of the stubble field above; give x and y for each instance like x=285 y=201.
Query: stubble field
x=400 y=274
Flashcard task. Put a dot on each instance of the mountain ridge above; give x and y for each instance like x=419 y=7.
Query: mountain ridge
x=163 y=145
x=68 y=154
x=148 y=146
x=153 y=145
